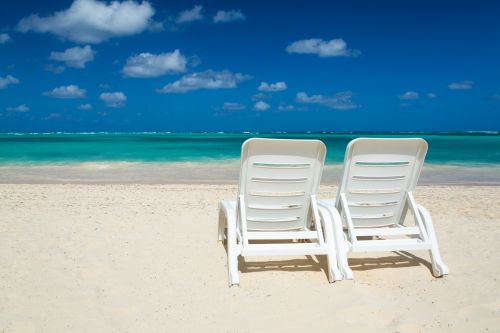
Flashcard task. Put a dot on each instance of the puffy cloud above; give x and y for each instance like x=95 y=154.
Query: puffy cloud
x=4 y=38
x=8 y=80
x=52 y=116
x=85 y=107
x=194 y=61
x=278 y=86
x=334 y=48
x=409 y=95
x=223 y=16
x=152 y=65
x=55 y=69
x=92 y=21
x=19 y=108
x=286 y=108
x=205 y=80
x=431 y=95
x=75 y=57
x=260 y=96
x=462 y=85
x=71 y=91
x=114 y=99
x=494 y=97
x=156 y=26
x=233 y=106
x=190 y=15
x=339 y=101
x=261 y=106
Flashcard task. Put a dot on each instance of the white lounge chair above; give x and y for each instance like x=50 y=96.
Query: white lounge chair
x=374 y=196
x=276 y=212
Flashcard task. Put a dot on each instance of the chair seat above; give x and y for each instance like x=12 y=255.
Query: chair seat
x=389 y=245
x=283 y=249
x=270 y=235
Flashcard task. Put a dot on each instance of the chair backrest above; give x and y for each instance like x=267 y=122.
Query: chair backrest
x=277 y=179
x=377 y=175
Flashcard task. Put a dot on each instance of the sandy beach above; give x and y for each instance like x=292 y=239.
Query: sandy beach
x=144 y=258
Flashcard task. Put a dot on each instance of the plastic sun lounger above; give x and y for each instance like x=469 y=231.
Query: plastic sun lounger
x=375 y=193
x=276 y=212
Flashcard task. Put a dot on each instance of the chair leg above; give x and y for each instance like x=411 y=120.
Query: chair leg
x=222 y=225
x=341 y=244
x=334 y=273
x=439 y=268
x=232 y=252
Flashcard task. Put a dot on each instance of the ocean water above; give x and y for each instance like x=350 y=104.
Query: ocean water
x=454 y=149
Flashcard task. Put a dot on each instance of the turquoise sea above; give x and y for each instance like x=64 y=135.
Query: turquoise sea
x=463 y=149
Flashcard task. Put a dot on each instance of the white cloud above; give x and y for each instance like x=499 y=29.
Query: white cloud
x=194 y=61
x=334 y=48
x=409 y=95
x=19 y=108
x=114 y=99
x=4 y=38
x=233 y=106
x=260 y=96
x=85 y=107
x=462 y=85
x=261 y=106
x=75 y=57
x=278 y=86
x=223 y=16
x=494 y=97
x=156 y=26
x=55 y=69
x=431 y=95
x=71 y=91
x=152 y=65
x=8 y=80
x=91 y=21
x=286 y=108
x=205 y=80
x=339 y=101
x=52 y=116
x=190 y=15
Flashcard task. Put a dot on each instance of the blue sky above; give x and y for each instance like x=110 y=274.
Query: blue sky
x=88 y=65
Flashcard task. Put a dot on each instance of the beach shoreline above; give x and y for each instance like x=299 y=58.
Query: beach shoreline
x=222 y=172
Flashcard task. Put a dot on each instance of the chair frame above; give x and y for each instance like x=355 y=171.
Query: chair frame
x=317 y=238
x=420 y=237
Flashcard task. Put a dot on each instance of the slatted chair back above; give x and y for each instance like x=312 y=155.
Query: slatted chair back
x=377 y=175
x=277 y=179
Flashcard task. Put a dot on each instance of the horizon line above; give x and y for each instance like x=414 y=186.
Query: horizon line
x=466 y=132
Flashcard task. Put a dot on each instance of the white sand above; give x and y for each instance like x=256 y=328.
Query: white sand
x=144 y=258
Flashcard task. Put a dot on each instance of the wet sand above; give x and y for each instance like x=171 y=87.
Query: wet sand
x=223 y=172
